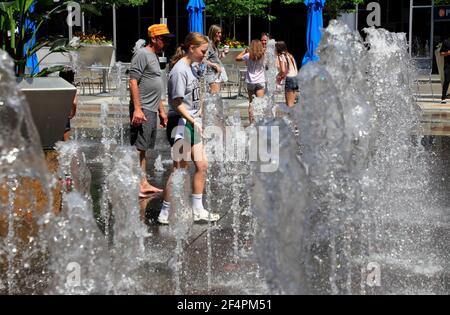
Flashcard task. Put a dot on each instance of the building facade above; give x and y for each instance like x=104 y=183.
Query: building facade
x=425 y=24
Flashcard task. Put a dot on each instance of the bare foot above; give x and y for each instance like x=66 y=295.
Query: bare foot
x=149 y=189
x=149 y=196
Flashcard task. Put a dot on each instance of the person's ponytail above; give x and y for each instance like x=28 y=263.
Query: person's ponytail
x=180 y=53
x=193 y=39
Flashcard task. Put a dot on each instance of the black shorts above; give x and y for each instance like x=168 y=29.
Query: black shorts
x=252 y=88
x=68 y=127
x=143 y=137
x=291 y=84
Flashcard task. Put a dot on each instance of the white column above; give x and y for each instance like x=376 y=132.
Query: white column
x=163 y=13
x=163 y=21
x=114 y=33
x=410 y=26
x=83 y=27
x=249 y=29
x=432 y=31
x=163 y=9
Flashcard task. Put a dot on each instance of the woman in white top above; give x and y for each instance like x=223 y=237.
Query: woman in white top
x=215 y=72
x=287 y=71
x=255 y=77
x=184 y=130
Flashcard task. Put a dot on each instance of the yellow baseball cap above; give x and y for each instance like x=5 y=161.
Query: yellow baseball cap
x=159 y=30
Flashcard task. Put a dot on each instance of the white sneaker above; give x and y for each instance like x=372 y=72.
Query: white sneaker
x=163 y=218
x=443 y=102
x=204 y=215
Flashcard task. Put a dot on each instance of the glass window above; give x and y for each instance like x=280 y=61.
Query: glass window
x=421 y=32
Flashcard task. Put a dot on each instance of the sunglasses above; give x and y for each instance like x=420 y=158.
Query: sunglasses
x=164 y=39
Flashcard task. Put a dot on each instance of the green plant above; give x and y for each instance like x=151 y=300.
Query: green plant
x=233 y=10
x=232 y=43
x=15 y=34
x=441 y=2
x=93 y=39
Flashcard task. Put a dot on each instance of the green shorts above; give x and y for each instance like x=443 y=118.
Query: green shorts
x=178 y=128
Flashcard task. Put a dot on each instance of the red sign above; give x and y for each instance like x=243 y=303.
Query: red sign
x=442 y=13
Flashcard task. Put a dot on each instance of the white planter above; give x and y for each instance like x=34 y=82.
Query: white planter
x=230 y=58
x=88 y=55
x=440 y=64
x=50 y=101
x=100 y=55
x=52 y=59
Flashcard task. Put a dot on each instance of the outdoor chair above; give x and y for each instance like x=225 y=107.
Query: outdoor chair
x=95 y=61
x=242 y=90
x=121 y=78
x=85 y=78
x=103 y=77
x=233 y=80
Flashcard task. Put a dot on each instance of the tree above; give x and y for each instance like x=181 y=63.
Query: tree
x=95 y=6
x=109 y=3
x=230 y=11
x=334 y=8
x=441 y=2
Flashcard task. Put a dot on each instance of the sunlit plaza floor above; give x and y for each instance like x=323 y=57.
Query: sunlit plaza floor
x=232 y=263
x=233 y=267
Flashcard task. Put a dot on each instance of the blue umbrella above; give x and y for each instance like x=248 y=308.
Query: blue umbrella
x=315 y=24
x=195 y=9
x=32 y=61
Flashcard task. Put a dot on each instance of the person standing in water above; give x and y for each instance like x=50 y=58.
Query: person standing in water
x=146 y=89
x=184 y=129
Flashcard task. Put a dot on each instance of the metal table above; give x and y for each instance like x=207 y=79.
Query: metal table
x=105 y=70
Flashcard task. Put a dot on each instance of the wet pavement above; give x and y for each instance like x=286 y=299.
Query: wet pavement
x=229 y=258
x=217 y=258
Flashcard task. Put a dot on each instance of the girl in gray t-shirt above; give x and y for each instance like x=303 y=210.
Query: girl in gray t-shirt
x=184 y=83
x=184 y=130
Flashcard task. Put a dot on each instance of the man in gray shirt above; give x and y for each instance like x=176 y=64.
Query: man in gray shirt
x=146 y=87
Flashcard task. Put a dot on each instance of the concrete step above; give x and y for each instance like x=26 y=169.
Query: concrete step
x=401 y=276
x=407 y=265
x=417 y=277
x=411 y=250
x=412 y=239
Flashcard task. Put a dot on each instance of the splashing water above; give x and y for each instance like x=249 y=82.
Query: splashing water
x=121 y=95
x=182 y=219
x=350 y=209
x=129 y=231
x=361 y=183
x=270 y=58
x=74 y=234
x=159 y=166
x=25 y=191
